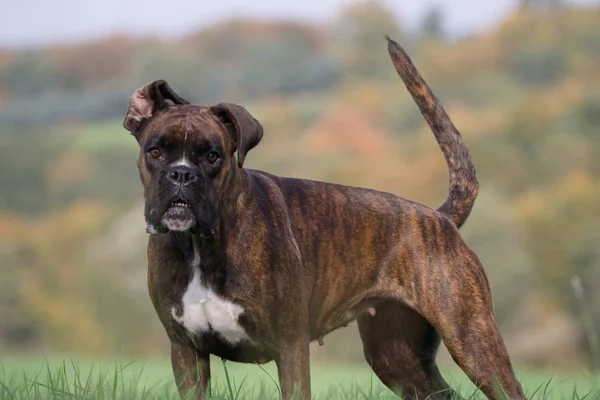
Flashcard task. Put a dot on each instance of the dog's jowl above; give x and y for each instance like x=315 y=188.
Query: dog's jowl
x=252 y=267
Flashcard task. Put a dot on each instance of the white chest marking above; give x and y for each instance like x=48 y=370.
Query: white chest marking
x=203 y=310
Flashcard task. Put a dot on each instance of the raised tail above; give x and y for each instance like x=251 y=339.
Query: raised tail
x=463 y=178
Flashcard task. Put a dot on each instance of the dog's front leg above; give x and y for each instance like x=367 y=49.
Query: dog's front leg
x=191 y=370
x=293 y=368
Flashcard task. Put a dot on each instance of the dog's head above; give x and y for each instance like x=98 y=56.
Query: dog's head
x=186 y=158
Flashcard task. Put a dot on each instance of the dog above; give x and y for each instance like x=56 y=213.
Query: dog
x=252 y=267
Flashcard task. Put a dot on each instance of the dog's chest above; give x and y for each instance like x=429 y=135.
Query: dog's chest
x=203 y=311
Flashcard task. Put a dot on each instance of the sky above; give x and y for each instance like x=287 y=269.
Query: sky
x=33 y=23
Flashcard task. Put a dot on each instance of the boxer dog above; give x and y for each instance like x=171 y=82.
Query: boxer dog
x=252 y=267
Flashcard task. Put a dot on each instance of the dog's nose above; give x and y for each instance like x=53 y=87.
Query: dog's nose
x=181 y=174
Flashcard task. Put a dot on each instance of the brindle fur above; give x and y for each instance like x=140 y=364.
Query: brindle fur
x=304 y=257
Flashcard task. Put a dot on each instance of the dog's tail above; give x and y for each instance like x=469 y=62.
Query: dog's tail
x=463 y=178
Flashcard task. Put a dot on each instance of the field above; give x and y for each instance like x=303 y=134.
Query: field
x=102 y=378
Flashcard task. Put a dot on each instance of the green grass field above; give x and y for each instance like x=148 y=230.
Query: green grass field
x=71 y=378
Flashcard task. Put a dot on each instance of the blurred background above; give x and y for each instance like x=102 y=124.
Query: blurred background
x=520 y=78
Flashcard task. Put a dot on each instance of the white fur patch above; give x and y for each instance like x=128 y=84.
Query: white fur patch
x=151 y=229
x=183 y=161
x=203 y=309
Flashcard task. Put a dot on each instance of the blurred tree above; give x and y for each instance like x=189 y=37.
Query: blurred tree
x=589 y=115
x=52 y=289
x=92 y=65
x=183 y=70
x=27 y=75
x=432 y=26
x=539 y=66
x=552 y=219
x=24 y=157
x=358 y=39
x=249 y=59
x=524 y=95
x=540 y=4
x=19 y=329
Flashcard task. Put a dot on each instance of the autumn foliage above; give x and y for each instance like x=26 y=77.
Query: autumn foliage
x=525 y=94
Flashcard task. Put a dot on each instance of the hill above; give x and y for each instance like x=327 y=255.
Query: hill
x=525 y=95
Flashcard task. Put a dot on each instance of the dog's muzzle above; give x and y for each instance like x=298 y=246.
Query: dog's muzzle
x=179 y=216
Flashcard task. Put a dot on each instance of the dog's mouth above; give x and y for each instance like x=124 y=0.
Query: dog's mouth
x=179 y=216
x=179 y=203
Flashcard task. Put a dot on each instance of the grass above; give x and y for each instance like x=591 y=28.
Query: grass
x=25 y=378
x=104 y=134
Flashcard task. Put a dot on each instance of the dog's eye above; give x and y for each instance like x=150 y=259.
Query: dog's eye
x=155 y=153
x=212 y=157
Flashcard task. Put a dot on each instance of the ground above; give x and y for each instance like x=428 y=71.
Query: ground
x=55 y=377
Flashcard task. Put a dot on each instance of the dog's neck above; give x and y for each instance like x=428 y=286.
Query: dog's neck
x=234 y=194
x=205 y=253
x=208 y=249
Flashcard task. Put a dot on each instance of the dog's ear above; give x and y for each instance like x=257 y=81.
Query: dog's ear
x=245 y=131
x=145 y=102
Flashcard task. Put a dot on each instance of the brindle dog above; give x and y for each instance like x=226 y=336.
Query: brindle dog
x=252 y=267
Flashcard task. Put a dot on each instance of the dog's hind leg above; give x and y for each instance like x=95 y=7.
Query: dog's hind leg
x=400 y=345
x=459 y=306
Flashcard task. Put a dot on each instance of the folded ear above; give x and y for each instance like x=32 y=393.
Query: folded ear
x=245 y=131
x=145 y=102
